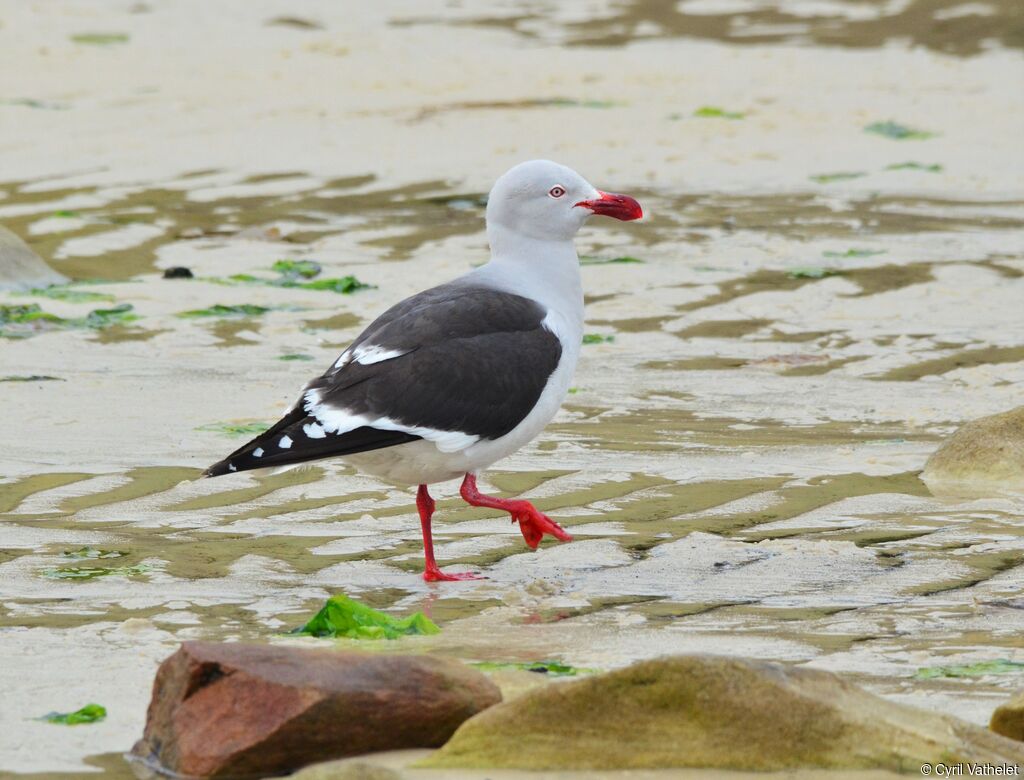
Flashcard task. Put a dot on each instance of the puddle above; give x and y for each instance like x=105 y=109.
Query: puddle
x=947 y=26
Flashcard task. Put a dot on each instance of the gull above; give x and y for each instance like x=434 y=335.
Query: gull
x=453 y=379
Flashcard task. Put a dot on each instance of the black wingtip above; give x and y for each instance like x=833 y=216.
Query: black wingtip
x=217 y=470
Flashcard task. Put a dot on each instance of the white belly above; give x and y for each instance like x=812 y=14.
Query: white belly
x=422 y=463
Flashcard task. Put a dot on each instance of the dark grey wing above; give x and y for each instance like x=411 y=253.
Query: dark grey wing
x=454 y=364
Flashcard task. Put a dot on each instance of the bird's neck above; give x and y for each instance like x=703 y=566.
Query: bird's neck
x=548 y=271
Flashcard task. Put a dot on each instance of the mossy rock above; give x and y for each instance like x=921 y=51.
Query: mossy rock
x=20 y=267
x=983 y=456
x=714 y=712
x=1008 y=719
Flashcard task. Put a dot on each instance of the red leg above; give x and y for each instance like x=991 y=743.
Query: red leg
x=425 y=505
x=532 y=523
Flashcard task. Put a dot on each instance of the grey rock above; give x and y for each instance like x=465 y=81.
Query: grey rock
x=20 y=267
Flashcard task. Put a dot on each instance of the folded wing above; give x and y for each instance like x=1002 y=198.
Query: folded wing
x=452 y=365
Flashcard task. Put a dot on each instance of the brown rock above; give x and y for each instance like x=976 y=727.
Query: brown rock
x=238 y=710
x=712 y=712
x=1008 y=719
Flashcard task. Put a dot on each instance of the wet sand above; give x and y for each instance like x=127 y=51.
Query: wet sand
x=817 y=307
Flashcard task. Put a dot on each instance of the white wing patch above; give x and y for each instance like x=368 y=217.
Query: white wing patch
x=333 y=420
x=368 y=354
x=285 y=442
x=314 y=430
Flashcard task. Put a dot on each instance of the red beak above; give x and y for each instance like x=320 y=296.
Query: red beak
x=616 y=206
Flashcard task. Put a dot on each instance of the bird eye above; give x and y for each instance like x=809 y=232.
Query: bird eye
x=557 y=191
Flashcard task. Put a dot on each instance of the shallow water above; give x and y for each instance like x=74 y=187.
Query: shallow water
x=738 y=463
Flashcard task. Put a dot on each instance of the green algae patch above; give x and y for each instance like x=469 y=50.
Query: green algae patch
x=104 y=318
x=811 y=272
x=94 y=572
x=550 y=668
x=828 y=178
x=295 y=356
x=67 y=293
x=220 y=310
x=92 y=553
x=897 y=132
x=306 y=269
x=31 y=378
x=100 y=39
x=25 y=320
x=342 y=617
x=980 y=669
x=597 y=338
x=299 y=274
x=343 y=285
x=90 y=713
x=915 y=166
x=715 y=112
x=235 y=429
x=624 y=260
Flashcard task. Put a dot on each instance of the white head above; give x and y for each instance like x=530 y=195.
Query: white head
x=546 y=201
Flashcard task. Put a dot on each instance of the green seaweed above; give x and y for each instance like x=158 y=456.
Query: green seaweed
x=551 y=668
x=235 y=429
x=25 y=313
x=914 y=166
x=344 y=285
x=27 y=319
x=92 y=572
x=91 y=553
x=295 y=356
x=592 y=260
x=64 y=292
x=810 y=272
x=297 y=274
x=897 y=132
x=104 y=318
x=344 y=617
x=597 y=338
x=23 y=320
x=998 y=666
x=220 y=310
x=307 y=269
x=854 y=253
x=90 y=713
x=100 y=39
x=826 y=178
x=714 y=112
x=66 y=214
x=32 y=378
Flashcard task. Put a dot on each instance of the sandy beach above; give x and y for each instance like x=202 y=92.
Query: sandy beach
x=828 y=282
